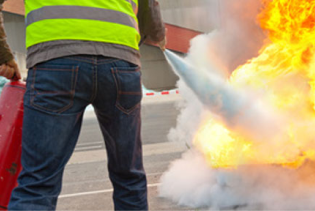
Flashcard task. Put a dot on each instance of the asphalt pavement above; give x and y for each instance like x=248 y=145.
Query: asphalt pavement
x=86 y=185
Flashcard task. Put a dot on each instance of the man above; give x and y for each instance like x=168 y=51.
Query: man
x=81 y=53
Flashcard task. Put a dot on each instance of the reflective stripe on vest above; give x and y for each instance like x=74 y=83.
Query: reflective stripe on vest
x=111 y=21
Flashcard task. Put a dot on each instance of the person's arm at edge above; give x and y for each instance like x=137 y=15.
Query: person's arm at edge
x=150 y=22
x=8 y=67
x=5 y=52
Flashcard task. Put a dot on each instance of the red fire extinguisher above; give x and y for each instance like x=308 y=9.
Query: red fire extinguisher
x=11 y=121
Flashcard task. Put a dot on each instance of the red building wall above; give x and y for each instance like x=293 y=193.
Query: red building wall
x=178 y=38
x=14 y=6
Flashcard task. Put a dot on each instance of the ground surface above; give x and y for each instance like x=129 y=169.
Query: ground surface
x=86 y=185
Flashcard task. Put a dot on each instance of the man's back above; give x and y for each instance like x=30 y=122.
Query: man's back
x=59 y=28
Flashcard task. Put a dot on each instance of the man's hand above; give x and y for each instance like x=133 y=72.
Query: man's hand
x=10 y=70
x=162 y=44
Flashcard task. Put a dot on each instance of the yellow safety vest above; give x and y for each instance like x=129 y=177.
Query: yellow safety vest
x=109 y=21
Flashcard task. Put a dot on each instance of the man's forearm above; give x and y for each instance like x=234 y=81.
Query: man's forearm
x=150 y=20
x=5 y=52
x=157 y=25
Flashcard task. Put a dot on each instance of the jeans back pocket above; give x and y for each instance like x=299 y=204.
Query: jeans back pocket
x=129 y=88
x=53 y=87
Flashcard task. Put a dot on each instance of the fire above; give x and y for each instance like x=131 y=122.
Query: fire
x=283 y=75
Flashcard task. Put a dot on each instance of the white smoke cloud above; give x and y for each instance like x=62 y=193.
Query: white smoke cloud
x=239 y=109
x=190 y=181
x=191 y=110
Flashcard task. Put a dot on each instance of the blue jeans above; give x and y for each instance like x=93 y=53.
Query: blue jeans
x=58 y=91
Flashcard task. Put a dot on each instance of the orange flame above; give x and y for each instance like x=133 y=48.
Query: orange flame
x=284 y=74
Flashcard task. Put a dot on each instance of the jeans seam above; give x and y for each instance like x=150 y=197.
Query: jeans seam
x=50 y=112
x=32 y=91
x=91 y=61
x=94 y=92
x=117 y=104
x=113 y=70
x=54 y=69
x=108 y=62
x=127 y=111
x=109 y=136
x=124 y=71
x=81 y=60
x=72 y=93
x=75 y=76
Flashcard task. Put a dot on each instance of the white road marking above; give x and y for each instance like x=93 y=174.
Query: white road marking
x=88 y=148
x=89 y=143
x=97 y=192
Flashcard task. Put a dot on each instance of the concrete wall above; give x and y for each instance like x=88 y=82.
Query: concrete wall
x=15 y=29
x=199 y=15
x=156 y=72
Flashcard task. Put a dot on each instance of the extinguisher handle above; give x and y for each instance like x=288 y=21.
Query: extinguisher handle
x=14 y=77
